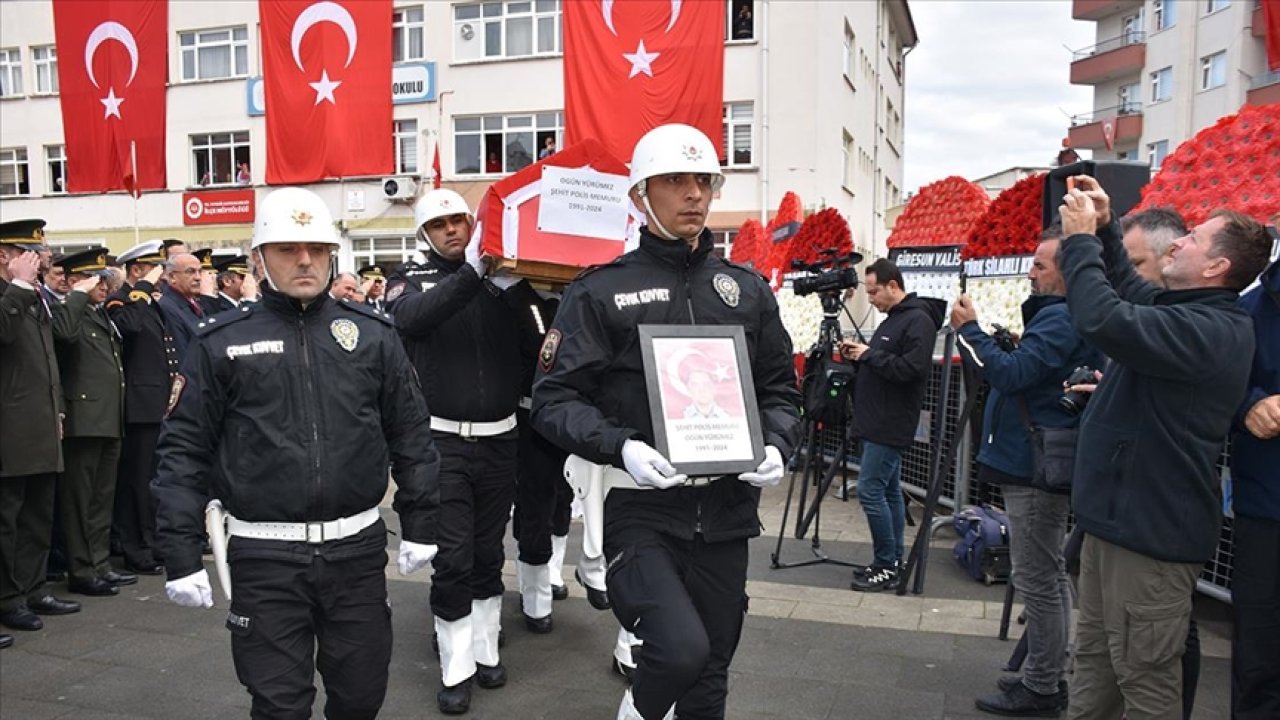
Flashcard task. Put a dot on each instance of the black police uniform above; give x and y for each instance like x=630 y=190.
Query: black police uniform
x=463 y=338
x=677 y=557
x=150 y=364
x=293 y=415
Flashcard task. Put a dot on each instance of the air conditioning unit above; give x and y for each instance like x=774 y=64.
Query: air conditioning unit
x=401 y=188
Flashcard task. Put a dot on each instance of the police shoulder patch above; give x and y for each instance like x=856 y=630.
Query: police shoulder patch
x=175 y=393
x=550 y=347
x=396 y=290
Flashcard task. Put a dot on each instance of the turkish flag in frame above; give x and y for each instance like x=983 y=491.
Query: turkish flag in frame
x=507 y=219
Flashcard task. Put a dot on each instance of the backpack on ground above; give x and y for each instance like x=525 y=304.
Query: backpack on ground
x=983 y=547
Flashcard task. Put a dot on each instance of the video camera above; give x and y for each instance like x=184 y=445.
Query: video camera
x=832 y=273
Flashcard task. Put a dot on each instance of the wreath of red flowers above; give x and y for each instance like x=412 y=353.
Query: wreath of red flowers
x=821 y=230
x=748 y=244
x=1011 y=224
x=1234 y=163
x=939 y=214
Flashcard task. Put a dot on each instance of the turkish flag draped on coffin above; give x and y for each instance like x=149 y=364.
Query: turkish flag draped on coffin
x=112 y=70
x=326 y=69
x=632 y=65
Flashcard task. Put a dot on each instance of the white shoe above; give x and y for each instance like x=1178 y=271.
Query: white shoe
x=457 y=655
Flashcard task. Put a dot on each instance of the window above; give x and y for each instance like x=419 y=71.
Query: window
x=14 y=177
x=388 y=251
x=736 y=140
x=846 y=169
x=506 y=30
x=1213 y=71
x=893 y=124
x=1127 y=155
x=739 y=22
x=1213 y=6
x=1132 y=29
x=406 y=146
x=45 y=61
x=497 y=144
x=215 y=54
x=847 y=57
x=10 y=72
x=407 y=33
x=217 y=158
x=55 y=161
x=1131 y=98
x=1163 y=13
x=1156 y=153
x=722 y=241
x=1162 y=84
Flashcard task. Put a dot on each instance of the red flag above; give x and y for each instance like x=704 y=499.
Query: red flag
x=112 y=76
x=435 y=167
x=326 y=70
x=631 y=66
x=1271 y=16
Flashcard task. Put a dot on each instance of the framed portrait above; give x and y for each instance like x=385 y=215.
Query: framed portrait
x=702 y=399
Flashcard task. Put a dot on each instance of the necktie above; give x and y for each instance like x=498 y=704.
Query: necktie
x=195 y=306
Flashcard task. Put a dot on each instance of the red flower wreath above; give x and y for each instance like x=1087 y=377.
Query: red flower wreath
x=940 y=214
x=1235 y=163
x=822 y=230
x=1011 y=225
x=748 y=245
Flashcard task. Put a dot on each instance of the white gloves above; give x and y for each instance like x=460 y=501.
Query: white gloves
x=473 y=252
x=770 y=471
x=415 y=556
x=191 y=591
x=648 y=468
x=503 y=282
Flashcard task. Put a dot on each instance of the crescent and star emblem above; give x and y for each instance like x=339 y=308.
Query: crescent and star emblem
x=110 y=30
x=312 y=16
x=641 y=60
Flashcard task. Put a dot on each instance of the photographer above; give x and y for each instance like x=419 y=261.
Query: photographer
x=893 y=372
x=1145 y=486
x=1026 y=390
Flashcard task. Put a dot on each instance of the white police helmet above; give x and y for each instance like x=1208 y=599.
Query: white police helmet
x=293 y=215
x=440 y=203
x=674 y=148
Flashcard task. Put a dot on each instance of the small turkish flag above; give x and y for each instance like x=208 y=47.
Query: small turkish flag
x=632 y=66
x=112 y=76
x=326 y=70
x=435 y=167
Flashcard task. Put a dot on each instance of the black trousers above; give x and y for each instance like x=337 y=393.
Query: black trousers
x=477 y=487
x=1255 y=602
x=135 y=510
x=26 y=524
x=543 y=496
x=686 y=599
x=289 y=618
x=85 y=494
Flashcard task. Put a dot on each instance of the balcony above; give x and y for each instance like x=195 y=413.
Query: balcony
x=1259 y=22
x=1109 y=59
x=1107 y=127
x=1098 y=9
x=1264 y=90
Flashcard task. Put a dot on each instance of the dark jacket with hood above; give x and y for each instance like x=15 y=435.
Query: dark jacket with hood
x=894 y=370
x=1255 y=464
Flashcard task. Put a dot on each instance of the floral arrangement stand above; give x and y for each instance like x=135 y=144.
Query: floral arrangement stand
x=998 y=250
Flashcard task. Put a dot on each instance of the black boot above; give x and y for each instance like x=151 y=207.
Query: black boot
x=540 y=626
x=455 y=700
x=491 y=676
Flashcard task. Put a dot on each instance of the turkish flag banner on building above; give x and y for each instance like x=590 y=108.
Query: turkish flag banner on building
x=112 y=73
x=631 y=66
x=1271 y=16
x=326 y=67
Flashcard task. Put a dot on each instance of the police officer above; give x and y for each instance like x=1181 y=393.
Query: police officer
x=464 y=341
x=150 y=364
x=677 y=546
x=373 y=280
x=290 y=411
x=93 y=385
x=30 y=430
x=232 y=272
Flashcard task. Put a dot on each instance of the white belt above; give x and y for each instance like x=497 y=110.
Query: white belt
x=312 y=532
x=526 y=403
x=615 y=479
x=468 y=429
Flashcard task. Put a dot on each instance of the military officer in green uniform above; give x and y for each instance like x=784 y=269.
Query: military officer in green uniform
x=89 y=358
x=30 y=430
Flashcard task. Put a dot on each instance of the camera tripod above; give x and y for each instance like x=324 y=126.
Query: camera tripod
x=813 y=472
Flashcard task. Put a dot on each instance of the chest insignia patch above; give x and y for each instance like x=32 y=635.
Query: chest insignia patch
x=550 y=346
x=727 y=288
x=346 y=333
x=641 y=297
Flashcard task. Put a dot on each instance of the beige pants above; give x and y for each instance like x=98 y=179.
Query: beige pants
x=1134 y=612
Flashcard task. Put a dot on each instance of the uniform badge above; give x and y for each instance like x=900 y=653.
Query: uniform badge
x=346 y=333
x=727 y=288
x=395 y=291
x=550 y=346
x=175 y=393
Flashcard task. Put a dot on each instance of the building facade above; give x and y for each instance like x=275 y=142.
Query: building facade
x=1164 y=69
x=813 y=103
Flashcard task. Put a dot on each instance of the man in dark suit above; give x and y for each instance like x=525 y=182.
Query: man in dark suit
x=179 y=304
x=93 y=388
x=232 y=272
x=149 y=365
x=30 y=429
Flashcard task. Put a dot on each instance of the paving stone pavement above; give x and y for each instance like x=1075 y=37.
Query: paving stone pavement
x=811 y=649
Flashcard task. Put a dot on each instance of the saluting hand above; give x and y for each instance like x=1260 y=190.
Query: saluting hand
x=25 y=267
